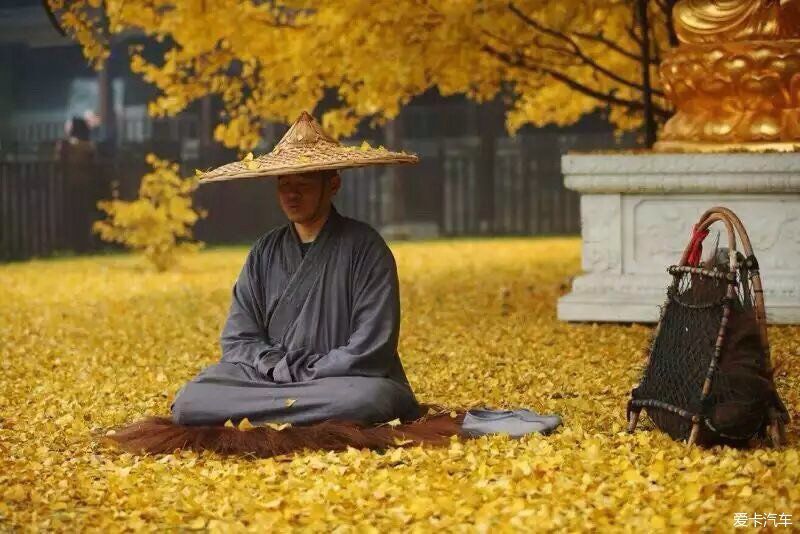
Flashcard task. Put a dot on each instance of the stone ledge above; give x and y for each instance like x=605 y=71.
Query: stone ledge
x=647 y=286
x=680 y=163
x=685 y=183
x=627 y=308
x=690 y=173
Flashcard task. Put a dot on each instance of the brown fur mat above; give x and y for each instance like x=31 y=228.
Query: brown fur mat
x=158 y=435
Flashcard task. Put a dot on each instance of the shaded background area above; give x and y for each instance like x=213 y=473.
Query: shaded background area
x=473 y=179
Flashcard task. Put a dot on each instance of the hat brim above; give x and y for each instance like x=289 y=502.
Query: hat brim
x=297 y=161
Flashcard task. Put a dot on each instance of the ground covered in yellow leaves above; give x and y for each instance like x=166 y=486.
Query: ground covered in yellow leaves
x=89 y=343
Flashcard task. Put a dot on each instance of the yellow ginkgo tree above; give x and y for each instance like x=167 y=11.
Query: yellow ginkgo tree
x=266 y=61
x=158 y=223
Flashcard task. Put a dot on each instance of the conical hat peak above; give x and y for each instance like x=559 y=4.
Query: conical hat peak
x=305 y=131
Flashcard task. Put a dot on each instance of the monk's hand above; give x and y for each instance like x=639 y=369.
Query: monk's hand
x=266 y=362
x=291 y=368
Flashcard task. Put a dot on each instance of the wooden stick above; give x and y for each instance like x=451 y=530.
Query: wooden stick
x=694 y=434
x=634 y=420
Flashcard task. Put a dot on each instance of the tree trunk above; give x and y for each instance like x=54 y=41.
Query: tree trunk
x=487 y=114
x=393 y=137
x=673 y=37
x=105 y=96
x=647 y=93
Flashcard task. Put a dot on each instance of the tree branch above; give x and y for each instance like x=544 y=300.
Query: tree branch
x=634 y=105
x=656 y=48
x=631 y=30
x=53 y=18
x=667 y=6
x=575 y=49
x=599 y=38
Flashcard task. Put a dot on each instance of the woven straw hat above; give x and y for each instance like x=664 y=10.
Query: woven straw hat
x=306 y=148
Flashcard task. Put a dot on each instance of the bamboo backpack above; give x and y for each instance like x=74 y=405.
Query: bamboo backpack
x=708 y=377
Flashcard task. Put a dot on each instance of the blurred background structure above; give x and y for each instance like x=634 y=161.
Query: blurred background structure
x=473 y=178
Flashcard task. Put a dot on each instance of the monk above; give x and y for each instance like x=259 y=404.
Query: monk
x=314 y=320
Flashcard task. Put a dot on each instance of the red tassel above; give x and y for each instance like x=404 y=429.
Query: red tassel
x=696 y=248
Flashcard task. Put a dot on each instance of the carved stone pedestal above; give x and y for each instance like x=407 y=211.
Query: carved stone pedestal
x=637 y=212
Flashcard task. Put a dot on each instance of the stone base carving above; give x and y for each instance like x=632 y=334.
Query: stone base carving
x=637 y=213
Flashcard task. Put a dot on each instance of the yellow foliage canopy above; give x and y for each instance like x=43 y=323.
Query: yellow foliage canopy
x=269 y=60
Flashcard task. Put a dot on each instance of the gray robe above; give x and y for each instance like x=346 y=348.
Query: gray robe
x=308 y=338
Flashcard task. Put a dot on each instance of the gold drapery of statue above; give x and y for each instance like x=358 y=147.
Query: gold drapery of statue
x=735 y=77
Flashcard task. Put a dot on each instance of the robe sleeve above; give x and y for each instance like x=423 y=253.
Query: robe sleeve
x=375 y=326
x=244 y=339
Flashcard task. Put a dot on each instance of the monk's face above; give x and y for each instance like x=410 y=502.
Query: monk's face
x=304 y=198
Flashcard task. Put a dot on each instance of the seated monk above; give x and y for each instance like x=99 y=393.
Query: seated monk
x=314 y=319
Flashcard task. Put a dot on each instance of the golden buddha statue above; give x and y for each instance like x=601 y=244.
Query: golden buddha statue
x=735 y=77
x=712 y=21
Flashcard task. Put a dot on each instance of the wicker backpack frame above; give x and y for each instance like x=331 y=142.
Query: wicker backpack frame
x=693 y=418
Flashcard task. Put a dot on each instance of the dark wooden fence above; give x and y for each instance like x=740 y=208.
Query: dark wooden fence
x=31 y=210
x=450 y=191
x=522 y=194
